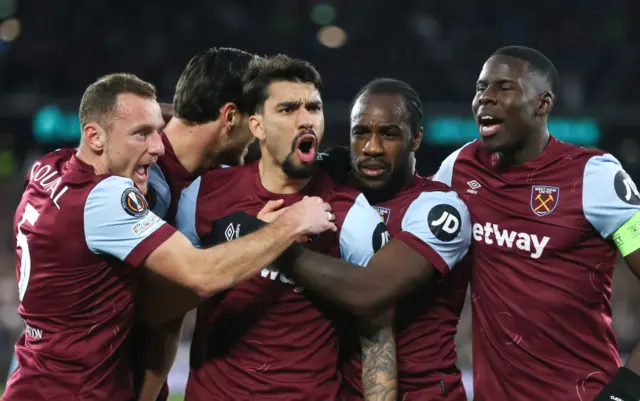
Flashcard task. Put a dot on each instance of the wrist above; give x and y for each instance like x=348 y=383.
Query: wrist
x=289 y=227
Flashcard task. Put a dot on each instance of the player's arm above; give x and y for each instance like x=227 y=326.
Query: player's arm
x=379 y=365
x=436 y=235
x=611 y=203
x=118 y=226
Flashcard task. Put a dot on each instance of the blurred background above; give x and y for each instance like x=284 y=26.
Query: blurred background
x=51 y=50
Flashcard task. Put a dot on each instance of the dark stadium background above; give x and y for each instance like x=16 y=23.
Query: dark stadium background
x=50 y=50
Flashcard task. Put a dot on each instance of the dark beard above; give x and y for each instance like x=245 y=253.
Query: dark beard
x=298 y=172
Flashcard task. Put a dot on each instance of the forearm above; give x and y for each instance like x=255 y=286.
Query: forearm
x=393 y=272
x=342 y=283
x=160 y=354
x=379 y=366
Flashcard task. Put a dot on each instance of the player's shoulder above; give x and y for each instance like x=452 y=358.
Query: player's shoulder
x=424 y=184
x=423 y=189
x=469 y=153
x=63 y=178
x=51 y=162
x=108 y=187
x=575 y=153
x=223 y=179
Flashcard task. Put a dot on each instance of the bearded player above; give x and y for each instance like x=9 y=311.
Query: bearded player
x=83 y=225
x=268 y=339
x=417 y=271
x=548 y=221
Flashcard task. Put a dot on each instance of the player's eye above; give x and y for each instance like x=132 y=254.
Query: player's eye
x=140 y=133
x=480 y=88
x=286 y=110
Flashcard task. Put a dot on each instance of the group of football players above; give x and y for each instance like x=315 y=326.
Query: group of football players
x=320 y=276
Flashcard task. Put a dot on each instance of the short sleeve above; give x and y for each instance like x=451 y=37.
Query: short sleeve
x=437 y=225
x=362 y=233
x=609 y=195
x=445 y=172
x=162 y=199
x=118 y=222
x=186 y=214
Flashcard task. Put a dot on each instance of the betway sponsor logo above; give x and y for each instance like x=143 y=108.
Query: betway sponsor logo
x=491 y=233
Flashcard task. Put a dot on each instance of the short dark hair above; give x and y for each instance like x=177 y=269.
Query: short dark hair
x=539 y=64
x=212 y=78
x=99 y=100
x=265 y=71
x=390 y=86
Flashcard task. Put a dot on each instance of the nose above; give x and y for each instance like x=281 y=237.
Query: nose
x=304 y=119
x=156 y=147
x=487 y=96
x=373 y=145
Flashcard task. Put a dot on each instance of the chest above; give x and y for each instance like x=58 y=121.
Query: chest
x=532 y=213
x=392 y=213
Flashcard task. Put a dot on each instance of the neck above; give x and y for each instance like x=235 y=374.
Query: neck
x=190 y=144
x=275 y=180
x=85 y=155
x=530 y=150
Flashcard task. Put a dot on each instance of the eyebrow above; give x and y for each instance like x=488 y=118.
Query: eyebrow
x=499 y=81
x=382 y=126
x=298 y=103
x=145 y=127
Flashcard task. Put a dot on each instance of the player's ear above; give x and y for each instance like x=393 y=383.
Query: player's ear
x=256 y=127
x=94 y=136
x=230 y=115
x=545 y=104
x=416 y=139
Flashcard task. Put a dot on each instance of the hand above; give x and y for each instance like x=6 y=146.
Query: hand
x=310 y=216
x=272 y=210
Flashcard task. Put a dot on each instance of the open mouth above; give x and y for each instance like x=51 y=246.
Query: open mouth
x=142 y=172
x=489 y=125
x=306 y=148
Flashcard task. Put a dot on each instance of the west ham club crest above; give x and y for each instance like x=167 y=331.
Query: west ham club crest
x=384 y=213
x=544 y=199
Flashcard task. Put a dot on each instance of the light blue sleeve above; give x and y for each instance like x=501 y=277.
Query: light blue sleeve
x=186 y=214
x=442 y=221
x=363 y=233
x=609 y=196
x=117 y=218
x=445 y=172
x=158 y=181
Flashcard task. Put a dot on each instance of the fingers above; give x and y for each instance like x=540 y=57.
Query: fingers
x=272 y=205
x=277 y=213
x=331 y=216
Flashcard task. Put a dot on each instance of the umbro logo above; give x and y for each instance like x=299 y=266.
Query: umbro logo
x=473 y=186
x=232 y=232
